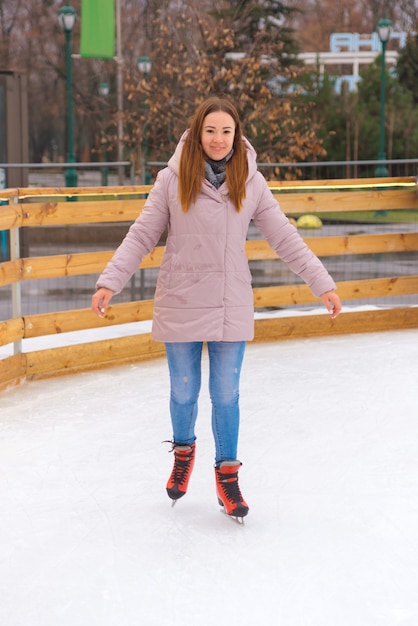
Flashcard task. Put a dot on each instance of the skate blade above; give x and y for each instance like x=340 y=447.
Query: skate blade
x=233 y=518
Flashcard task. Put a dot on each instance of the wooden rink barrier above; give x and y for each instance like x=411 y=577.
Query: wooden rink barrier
x=32 y=208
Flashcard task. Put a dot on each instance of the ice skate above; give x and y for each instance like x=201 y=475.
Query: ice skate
x=184 y=457
x=228 y=491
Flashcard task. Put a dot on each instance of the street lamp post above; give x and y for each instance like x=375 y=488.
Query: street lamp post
x=384 y=29
x=66 y=19
x=144 y=66
x=104 y=92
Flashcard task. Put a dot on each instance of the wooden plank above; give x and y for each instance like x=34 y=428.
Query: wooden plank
x=72 y=359
x=259 y=249
x=264 y=297
x=310 y=326
x=94 y=262
x=11 y=272
x=282 y=295
x=12 y=370
x=84 y=319
x=61 y=265
x=119 y=191
x=11 y=331
x=285 y=295
x=346 y=202
x=378 y=287
x=344 y=183
x=56 y=213
x=10 y=216
x=76 y=264
x=363 y=244
x=5 y=194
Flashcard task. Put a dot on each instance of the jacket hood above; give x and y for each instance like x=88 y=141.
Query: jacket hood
x=174 y=162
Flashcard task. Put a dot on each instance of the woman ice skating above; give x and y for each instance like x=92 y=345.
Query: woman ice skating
x=206 y=198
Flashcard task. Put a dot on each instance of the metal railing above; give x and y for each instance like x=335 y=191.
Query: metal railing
x=109 y=172
x=100 y=174
x=324 y=170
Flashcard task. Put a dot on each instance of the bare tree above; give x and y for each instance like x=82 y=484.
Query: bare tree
x=318 y=19
x=194 y=56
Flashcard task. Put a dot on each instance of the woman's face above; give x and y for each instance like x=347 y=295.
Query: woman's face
x=218 y=132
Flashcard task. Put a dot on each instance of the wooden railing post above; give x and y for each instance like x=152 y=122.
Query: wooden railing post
x=15 y=254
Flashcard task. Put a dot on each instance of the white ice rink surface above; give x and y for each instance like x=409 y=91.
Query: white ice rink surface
x=329 y=444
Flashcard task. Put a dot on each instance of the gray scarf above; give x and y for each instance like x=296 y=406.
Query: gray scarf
x=215 y=171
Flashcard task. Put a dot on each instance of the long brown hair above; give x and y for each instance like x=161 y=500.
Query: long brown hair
x=192 y=160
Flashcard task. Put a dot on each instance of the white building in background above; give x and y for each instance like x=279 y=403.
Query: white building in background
x=352 y=50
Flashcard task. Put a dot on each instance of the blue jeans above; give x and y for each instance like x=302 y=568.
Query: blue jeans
x=225 y=361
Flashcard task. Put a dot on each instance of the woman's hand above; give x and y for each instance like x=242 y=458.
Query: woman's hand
x=332 y=303
x=100 y=301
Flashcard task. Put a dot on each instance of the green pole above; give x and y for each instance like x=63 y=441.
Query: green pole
x=147 y=173
x=381 y=169
x=144 y=66
x=71 y=175
x=104 y=92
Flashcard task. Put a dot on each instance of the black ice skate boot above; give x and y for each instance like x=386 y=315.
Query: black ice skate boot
x=178 y=482
x=227 y=489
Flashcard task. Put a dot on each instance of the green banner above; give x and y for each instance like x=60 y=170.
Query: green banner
x=97 y=29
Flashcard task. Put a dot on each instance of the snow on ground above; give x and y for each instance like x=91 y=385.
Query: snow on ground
x=330 y=470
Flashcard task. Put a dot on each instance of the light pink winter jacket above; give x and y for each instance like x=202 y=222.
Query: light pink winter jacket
x=204 y=290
